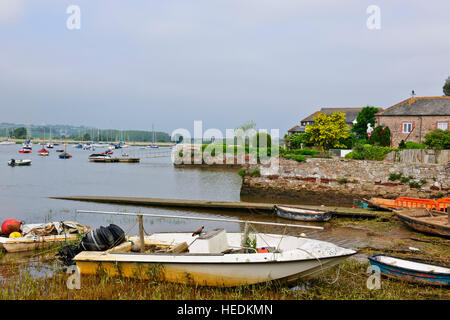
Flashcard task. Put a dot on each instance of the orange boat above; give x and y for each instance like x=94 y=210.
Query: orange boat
x=409 y=202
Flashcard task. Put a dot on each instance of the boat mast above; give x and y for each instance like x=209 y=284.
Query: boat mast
x=200 y=218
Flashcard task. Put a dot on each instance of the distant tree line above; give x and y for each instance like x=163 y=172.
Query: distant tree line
x=85 y=134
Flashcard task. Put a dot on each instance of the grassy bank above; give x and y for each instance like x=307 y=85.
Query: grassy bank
x=351 y=284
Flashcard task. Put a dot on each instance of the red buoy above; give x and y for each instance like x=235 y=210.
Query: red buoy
x=10 y=225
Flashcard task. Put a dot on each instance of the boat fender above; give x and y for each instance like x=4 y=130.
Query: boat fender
x=263 y=250
x=15 y=234
x=11 y=225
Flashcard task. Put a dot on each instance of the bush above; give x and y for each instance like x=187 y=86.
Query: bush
x=368 y=152
x=261 y=137
x=242 y=172
x=295 y=141
x=395 y=176
x=438 y=139
x=342 y=181
x=255 y=173
x=381 y=136
x=296 y=157
x=354 y=155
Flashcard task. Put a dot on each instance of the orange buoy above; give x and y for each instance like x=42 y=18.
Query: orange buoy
x=263 y=250
x=10 y=225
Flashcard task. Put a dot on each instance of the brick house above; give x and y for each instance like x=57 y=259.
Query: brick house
x=412 y=119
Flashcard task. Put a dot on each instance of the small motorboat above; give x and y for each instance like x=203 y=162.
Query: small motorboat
x=43 y=152
x=59 y=150
x=78 y=146
x=25 y=150
x=65 y=155
x=215 y=258
x=20 y=162
x=427 y=221
x=411 y=270
x=301 y=214
x=50 y=145
x=42 y=235
x=96 y=156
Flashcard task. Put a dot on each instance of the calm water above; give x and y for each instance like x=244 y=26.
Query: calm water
x=24 y=191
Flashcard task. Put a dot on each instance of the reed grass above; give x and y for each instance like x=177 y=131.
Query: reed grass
x=351 y=284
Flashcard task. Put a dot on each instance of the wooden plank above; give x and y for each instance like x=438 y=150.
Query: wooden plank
x=221 y=205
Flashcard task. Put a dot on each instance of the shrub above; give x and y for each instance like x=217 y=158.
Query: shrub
x=296 y=157
x=395 y=176
x=381 y=136
x=438 y=139
x=368 y=152
x=414 y=145
x=255 y=173
x=242 y=172
x=261 y=137
x=354 y=155
x=295 y=141
x=342 y=181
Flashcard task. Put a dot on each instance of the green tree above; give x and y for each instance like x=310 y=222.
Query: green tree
x=87 y=137
x=328 y=131
x=380 y=137
x=262 y=138
x=365 y=116
x=438 y=139
x=19 y=133
x=295 y=140
x=446 y=87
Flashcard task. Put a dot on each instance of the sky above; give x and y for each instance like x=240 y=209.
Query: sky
x=135 y=63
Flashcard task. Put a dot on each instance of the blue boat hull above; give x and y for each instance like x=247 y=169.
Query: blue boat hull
x=410 y=275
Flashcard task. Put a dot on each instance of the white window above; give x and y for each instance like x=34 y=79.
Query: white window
x=407 y=127
x=442 y=125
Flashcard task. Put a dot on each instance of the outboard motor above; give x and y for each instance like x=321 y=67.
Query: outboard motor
x=100 y=239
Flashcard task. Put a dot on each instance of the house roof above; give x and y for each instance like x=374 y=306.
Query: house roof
x=297 y=129
x=350 y=113
x=419 y=106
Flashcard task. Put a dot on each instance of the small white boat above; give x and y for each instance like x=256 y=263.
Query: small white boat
x=216 y=258
x=43 y=235
x=19 y=162
x=6 y=143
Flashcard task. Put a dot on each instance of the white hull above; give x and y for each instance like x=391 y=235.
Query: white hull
x=27 y=244
x=296 y=258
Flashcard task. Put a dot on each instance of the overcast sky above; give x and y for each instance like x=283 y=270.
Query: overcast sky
x=170 y=62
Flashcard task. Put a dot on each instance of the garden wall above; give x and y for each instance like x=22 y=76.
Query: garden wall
x=420 y=156
x=339 y=181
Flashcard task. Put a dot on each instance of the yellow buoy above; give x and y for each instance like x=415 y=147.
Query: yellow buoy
x=15 y=235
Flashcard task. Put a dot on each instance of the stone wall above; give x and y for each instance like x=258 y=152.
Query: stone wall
x=341 y=181
x=420 y=156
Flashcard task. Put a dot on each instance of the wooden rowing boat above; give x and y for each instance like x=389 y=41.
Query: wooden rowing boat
x=424 y=220
x=411 y=270
x=216 y=258
x=295 y=213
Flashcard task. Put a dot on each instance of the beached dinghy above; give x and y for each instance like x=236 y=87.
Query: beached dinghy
x=411 y=270
x=424 y=220
x=216 y=258
x=301 y=214
x=42 y=235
